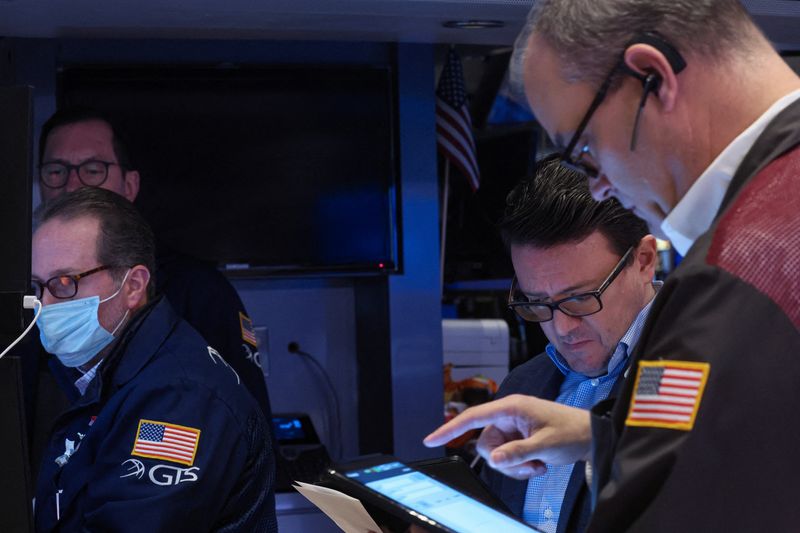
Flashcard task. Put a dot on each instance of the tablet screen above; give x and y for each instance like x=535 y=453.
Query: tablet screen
x=434 y=499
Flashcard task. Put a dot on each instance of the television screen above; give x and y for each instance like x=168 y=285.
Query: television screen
x=261 y=170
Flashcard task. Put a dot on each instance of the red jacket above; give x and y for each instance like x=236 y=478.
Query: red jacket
x=704 y=434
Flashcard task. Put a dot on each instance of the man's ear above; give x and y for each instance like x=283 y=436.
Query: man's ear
x=646 y=258
x=131 y=185
x=135 y=290
x=648 y=60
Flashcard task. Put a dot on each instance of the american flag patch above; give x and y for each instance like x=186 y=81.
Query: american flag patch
x=667 y=394
x=248 y=333
x=160 y=440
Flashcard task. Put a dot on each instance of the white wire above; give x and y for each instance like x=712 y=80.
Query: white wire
x=35 y=318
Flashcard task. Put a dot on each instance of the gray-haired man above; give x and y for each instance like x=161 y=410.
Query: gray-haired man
x=684 y=112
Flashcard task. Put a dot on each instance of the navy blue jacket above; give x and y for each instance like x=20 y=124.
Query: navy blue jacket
x=205 y=299
x=213 y=469
x=200 y=295
x=540 y=377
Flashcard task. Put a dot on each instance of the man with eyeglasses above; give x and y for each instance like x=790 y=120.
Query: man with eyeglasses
x=161 y=434
x=584 y=272
x=684 y=112
x=79 y=147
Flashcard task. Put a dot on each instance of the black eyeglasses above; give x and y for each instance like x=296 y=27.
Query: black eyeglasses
x=578 y=162
x=64 y=286
x=650 y=83
x=91 y=173
x=584 y=304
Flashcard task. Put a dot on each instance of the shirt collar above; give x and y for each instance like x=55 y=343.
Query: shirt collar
x=696 y=210
x=82 y=383
x=621 y=353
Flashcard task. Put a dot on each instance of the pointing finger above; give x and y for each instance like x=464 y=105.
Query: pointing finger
x=472 y=418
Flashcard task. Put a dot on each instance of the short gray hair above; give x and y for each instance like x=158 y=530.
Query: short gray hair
x=588 y=36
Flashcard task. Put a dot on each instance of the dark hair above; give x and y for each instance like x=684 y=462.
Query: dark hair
x=125 y=238
x=555 y=207
x=76 y=115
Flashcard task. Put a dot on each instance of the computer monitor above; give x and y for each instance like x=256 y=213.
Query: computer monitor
x=262 y=170
x=15 y=249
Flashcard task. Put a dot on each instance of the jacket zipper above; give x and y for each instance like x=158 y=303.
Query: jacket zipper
x=58 y=504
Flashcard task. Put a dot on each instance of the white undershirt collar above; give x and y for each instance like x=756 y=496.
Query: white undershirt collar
x=696 y=210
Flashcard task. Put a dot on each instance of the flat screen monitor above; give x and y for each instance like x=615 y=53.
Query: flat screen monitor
x=260 y=170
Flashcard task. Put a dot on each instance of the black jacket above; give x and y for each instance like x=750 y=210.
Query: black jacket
x=732 y=308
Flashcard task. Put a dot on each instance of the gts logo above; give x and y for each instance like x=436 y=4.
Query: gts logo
x=160 y=474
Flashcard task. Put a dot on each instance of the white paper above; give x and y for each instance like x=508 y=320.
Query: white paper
x=348 y=512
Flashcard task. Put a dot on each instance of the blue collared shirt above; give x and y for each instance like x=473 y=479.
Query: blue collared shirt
x=545 y=493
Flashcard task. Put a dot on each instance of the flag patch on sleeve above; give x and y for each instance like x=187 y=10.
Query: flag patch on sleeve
x=248 y=333
x=171 y=442
x=667 y=394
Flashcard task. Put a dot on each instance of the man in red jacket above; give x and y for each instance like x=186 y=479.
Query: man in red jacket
x=684 y=112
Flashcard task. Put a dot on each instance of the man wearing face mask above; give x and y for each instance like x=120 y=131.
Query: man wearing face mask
x=161 y=433
x=80 y=147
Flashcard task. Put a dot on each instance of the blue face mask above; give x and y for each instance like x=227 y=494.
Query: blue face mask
x=72 y=332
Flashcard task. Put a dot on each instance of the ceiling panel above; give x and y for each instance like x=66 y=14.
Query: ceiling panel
x=370 y=20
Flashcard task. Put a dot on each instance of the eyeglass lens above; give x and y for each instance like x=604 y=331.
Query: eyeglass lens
x=579 y=305
x=65 y=286
x=579 y=165
x=90 y=173
x=59 y=287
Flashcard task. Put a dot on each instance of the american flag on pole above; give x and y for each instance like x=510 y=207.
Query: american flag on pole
x=161 y=440
x=667 y=394
x=453 y=123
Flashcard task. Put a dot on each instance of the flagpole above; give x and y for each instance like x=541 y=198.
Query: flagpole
x=443 y=240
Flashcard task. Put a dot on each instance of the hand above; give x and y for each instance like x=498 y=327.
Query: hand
x=522 y=433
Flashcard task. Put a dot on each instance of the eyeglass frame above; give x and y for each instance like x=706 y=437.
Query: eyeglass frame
x=74 y=277
x=77 y=168
x=620 y=266
x=566 y=156
x=650 y=83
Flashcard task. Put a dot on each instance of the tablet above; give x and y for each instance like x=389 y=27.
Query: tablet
x=401 y=489
x=454 y=471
